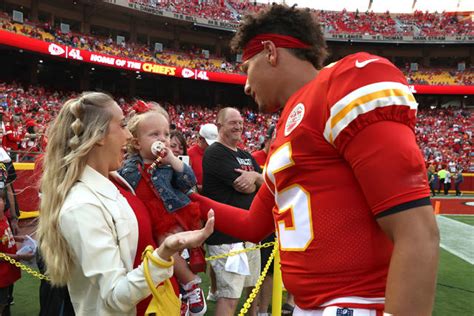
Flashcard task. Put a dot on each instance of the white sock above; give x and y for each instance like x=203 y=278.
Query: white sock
x=188 y=286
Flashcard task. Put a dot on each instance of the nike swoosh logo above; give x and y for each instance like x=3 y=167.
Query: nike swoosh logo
x=364 y=63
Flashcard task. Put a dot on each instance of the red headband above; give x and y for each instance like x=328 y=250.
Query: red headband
x=255 y=45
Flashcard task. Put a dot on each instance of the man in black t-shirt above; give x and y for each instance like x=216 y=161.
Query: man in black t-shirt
x=231 y=176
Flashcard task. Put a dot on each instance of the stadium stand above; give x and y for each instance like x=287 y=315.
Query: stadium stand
x=440 y=77
x=444 y=135
x=418 y=24
x=34 y=106
x=34 y=85
x=340 y=21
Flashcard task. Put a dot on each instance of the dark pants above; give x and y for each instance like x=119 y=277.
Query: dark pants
x=432 y=188
x=6 y=298
x=447 y=186
x=440 y=185
x=456 y=186
x=54 y=301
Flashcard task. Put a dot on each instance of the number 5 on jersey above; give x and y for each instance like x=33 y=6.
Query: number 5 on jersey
x=293 y=202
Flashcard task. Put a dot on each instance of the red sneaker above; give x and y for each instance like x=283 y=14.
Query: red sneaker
x=184 y=308
x=195 y=297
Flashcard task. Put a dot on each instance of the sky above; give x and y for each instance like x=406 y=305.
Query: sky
x=394 y=6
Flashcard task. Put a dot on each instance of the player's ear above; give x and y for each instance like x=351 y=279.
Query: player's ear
x=271 y=52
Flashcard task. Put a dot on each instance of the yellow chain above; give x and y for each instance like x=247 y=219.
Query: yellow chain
x=40 y=276
x=233 y=253
x=253 y=295
x=23 y=267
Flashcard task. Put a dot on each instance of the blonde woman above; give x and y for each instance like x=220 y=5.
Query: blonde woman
x=88 y=230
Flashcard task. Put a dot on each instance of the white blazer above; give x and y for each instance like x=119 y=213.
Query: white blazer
x=102 y=231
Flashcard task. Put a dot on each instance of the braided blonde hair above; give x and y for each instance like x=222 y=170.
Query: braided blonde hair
x=80 y=124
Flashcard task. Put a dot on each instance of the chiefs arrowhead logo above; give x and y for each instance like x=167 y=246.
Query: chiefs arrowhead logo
x=187 y=73
x=294 y=119
x=55 y=50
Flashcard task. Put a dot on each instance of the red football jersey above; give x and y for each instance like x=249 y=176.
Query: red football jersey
x=260 y=157
x=329 y=184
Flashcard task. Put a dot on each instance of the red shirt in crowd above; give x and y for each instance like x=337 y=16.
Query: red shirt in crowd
x=9 y=274
x=195 y=154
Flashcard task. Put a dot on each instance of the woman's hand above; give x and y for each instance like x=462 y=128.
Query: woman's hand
x=189 y=239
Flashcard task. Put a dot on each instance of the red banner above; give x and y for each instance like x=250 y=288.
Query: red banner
x=63 y=51
x=426 y=89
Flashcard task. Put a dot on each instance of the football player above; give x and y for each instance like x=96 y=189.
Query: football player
x=345 y=186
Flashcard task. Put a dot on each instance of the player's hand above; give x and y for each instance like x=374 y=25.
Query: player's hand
x=188 y=239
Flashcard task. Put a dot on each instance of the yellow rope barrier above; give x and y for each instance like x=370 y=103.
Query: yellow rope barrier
x=277 y=284
x=34 y=273
x=276 y=303
x=259 y=283
x=23 y=267
x=233 y=253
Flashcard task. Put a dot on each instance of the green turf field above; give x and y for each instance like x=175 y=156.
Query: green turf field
x=455 y=292
x=454 y=295
x=467 y=219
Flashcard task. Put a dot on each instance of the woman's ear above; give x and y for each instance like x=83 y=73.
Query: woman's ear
x=101 y=142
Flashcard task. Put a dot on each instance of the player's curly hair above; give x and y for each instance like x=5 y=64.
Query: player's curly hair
x=284 y=20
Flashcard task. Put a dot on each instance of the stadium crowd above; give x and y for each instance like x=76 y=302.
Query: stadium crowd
x=440 y=77
x=444 y=135
x=445 y=138
x=27 y=112
x=215 y=10
x=417 y=24
x=335 y=22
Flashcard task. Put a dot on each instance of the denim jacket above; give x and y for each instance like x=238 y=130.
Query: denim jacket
x=172 y=186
